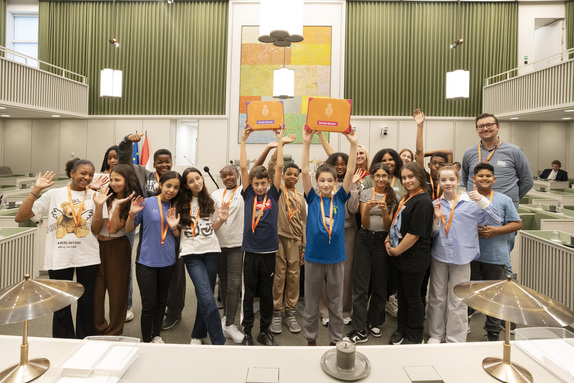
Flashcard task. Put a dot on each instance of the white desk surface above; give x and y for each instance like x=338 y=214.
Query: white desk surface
x=178 y=363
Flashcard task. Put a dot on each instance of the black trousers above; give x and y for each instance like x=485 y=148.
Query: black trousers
x=411 y=314
x=62 y=325
x=258 y=274
x=371 y=267
x=176 y=295
x=154 y=285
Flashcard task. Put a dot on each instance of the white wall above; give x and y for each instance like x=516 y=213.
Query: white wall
x=527 y=13
x=548 y=41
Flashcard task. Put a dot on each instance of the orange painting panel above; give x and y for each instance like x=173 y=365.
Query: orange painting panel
x=243 y=100
x=264 y=54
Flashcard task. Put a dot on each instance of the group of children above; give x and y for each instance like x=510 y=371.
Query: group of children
x=363 y=233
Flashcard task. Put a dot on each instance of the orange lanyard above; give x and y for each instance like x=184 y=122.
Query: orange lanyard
x=80 y=210
x=374 y=197
x=193 y=224
x=491 y=153
x=162 y=230
x=403 y=202
x=223 y=203
x=393 y=183
x=437 y=189
x=253 y=222
x=109 y=218
x=491 y=195
x=447 y=228
x=330 y=228
x=288 y=205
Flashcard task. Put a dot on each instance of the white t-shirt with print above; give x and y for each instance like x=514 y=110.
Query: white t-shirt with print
x=230 y=234
x=203 y=240
x=68 y=245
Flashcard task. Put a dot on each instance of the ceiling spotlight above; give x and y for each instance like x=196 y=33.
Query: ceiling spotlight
x=114 y=42
x=456 y=43
x=170 y=1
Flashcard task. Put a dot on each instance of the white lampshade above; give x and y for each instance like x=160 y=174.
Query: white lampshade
x=111 y=83
x=457 y=84
x=283 y=83
x=281 y=22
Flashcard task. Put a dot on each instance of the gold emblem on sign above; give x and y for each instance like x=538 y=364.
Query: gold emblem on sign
x=265 y=111
x=329 y=110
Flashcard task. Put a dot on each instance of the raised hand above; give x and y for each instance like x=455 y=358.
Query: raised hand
x=358 y=175
x=352 y=137
x=137 y=205
x=102 y=196
x=246 y=132
x=474 y=194
x=437 y=210
x=46 y=180
x=279 y=133
x=101 y=181
x=172 y=218
x=419 y=116
x=135 y=137
x=308 y=135
x=122 y=200
x=223 y=213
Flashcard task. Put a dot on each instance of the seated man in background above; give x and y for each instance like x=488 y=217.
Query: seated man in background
x=555 y=174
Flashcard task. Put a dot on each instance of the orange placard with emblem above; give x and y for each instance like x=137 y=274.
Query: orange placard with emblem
x=264 y=115
x=329 y=115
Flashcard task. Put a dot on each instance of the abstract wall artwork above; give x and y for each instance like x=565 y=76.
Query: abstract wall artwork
x=311 y=60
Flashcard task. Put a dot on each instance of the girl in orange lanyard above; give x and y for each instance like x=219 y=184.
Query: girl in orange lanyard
x=455 y=245
x=156 y=253
x=408 y=245
x=74 y=218
x=115 y=253
x=199 y=249
x=371 y=260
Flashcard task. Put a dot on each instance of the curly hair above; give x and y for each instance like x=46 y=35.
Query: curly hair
x=74 y=163
x=105 y=165
x=378 y=157
x=333 y=158
x=205 y=202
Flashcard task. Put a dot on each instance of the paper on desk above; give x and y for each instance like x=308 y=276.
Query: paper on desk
x=423 y=374
x=83 y=361
x=117 y=360
x=262 y=375
x=91 y=379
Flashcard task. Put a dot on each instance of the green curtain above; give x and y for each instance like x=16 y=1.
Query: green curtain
x=397 y=54
x=173 y=57
x=3 y=23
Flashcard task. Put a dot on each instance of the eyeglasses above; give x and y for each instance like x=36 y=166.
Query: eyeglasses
x=380 y=176
x=435 y=163
x=489 y=125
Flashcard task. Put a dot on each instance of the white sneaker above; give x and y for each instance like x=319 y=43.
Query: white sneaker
x=223 y=320
x=157 y=339
x=129 y=315
x=325 y=321
x=233 y=333
x=433 y=341
x=347 y=321
x=196 y=342
x=392 y=306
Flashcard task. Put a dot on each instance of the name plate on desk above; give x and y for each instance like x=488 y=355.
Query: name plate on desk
x=265 y=115
x=329 y=115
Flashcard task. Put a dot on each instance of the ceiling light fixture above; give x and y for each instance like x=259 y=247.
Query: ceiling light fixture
x=4 y=115
x=170 y=1
x=111 y=79
x=114 y=42
x=514 y=118
x=457 y=82
x=283 y=81
x=56 y=115
x=566 y=118
x=281 y=22
x=2 y=107
x=569 y=110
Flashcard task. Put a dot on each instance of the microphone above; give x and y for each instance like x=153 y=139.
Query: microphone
x=206 y=169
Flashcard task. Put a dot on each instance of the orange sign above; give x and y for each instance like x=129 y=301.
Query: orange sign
x=264 y=115
x=329 y=115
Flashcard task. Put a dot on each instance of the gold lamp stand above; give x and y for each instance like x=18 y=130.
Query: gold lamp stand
x=26 y=370
x=503 y=369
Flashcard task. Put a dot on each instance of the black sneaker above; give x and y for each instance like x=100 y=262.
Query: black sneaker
x=408 y=341
x=266 y=338
x=492 y=336
x=356 y=336
x=397 y=338
x=247 y=340
x=169 y=323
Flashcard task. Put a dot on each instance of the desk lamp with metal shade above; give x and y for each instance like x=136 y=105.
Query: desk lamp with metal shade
x=512 y=302
x=29 y=299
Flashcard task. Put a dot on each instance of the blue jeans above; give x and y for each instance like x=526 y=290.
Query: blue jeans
x=202 y=269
